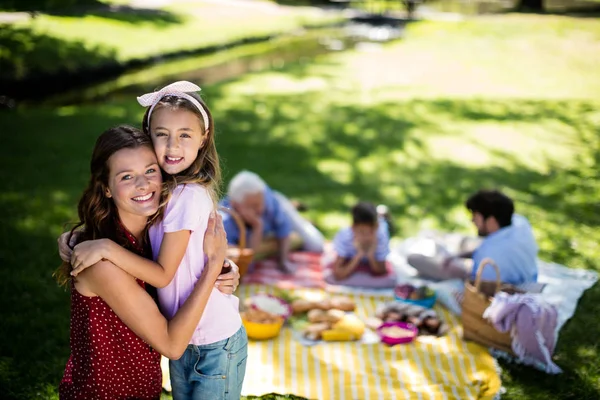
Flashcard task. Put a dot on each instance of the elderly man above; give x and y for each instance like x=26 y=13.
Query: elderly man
x=507 y=239
x=273 y=223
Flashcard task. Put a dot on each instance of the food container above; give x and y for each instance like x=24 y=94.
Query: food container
x=271 y=304
x=393 y=333
x=427 y=302
x=262 y=331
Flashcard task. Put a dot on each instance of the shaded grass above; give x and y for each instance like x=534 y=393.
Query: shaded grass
x=106 y=35
x=342 y=128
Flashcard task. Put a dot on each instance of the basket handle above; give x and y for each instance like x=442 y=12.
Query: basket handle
x=240 y=223
x=483 y=264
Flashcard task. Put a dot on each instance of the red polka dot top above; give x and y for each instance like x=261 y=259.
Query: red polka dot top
x=108 y=360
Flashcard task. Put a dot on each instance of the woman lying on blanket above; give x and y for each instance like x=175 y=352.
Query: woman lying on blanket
x=361 y=251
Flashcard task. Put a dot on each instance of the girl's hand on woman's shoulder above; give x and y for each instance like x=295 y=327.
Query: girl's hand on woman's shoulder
x=66 y=241
x=88 y=253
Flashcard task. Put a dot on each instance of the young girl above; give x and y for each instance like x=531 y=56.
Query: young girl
x=182 y=131
x=117 y=331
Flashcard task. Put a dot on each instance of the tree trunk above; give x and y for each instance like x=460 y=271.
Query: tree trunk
x=531 y=5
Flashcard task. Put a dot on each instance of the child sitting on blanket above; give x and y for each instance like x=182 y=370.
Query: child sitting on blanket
x=361 y=251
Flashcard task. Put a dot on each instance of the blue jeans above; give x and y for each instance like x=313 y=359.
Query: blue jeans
x=211 y=371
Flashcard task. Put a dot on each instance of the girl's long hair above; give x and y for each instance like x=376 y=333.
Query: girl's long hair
x=205 y=170
x=97 y=213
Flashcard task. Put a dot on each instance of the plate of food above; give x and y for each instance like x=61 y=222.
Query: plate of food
x=393 y=333
x=328 y=319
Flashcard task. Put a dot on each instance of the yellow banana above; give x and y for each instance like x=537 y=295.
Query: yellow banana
x=336 y=335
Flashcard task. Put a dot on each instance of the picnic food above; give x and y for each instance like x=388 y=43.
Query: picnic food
x=269 y=303
x=411 y=292
x=259 y=327
x=261 y=317
x=336 y=335
x=334 y=316
x=314 y=331
x=426 y=320
x=301 y=306
x=333 y=325
x=342 y=303
x=259 y=323
x=331 y=316
x=348 y=328
x=393 y=333
x=328 y=318
x=316 y=315
x=350 y=323
x=396 y=332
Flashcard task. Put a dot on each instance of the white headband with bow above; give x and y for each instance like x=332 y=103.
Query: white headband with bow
x=177 y=89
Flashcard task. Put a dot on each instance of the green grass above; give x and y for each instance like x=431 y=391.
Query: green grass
x=508 y=101
x=99 y=36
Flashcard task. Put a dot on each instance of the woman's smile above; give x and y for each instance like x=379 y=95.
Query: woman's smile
x=144 y=198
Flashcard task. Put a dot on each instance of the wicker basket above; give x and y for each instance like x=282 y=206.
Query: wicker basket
x=241 y=255
x=478 y=297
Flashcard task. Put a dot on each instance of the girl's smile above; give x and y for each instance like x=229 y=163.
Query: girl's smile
x=173 y=160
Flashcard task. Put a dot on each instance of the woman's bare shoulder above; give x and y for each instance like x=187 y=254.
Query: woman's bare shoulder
x=94 y=278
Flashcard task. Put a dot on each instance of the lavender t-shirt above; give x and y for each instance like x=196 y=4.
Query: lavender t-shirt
x=189 y=209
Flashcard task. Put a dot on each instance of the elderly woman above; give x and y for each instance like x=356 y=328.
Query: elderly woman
x=274 y=226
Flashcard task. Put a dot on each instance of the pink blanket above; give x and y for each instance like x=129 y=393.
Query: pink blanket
x=309 y=272
x=363 y=279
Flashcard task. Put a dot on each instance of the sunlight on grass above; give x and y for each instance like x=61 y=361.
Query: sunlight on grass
x=46 y=215
x=279 y=83
x=458 y=59
x=338 y=170
x=338 y=219
x=489 y=143
x=66 y=111
x=588 y=352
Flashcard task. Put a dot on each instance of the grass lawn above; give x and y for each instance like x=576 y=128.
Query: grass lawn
x=507 y=101
x=88 y=38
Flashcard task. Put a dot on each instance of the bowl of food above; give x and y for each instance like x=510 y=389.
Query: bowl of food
x=261 y=325
x=270 y=304
x=422 y=296
x=393 y=333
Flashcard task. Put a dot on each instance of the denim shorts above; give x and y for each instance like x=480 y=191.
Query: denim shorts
x=212 y=371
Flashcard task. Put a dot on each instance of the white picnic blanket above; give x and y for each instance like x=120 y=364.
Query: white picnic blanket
x=563 y=286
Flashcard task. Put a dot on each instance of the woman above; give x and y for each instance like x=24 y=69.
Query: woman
x=117 y=331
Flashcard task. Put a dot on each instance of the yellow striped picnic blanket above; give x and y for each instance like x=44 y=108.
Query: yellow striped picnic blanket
x=429 y=368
